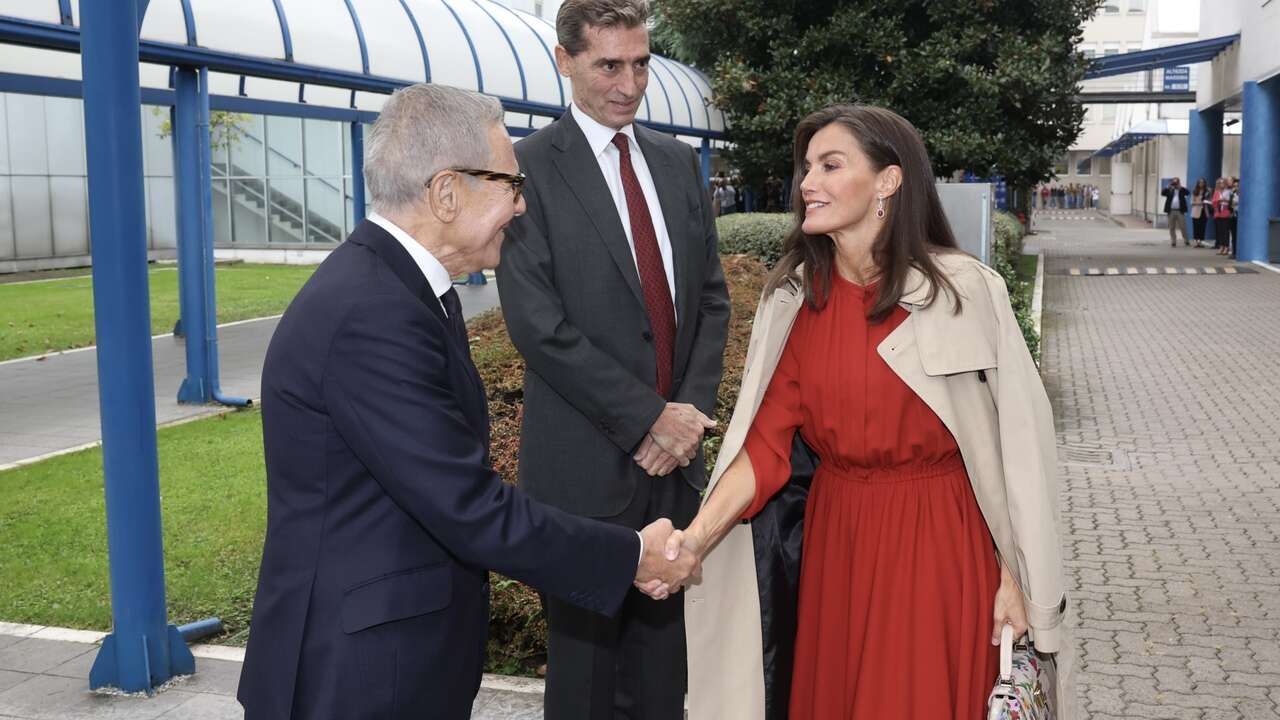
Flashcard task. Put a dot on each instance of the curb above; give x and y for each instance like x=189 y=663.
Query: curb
x=214 y=411
x=499 y=683
x=1037 y=296
x=71 y=351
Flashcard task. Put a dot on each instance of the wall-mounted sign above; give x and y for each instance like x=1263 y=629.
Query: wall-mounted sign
x=1177 y=79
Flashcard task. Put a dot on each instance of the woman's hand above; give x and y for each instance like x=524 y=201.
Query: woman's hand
x=1009 y=609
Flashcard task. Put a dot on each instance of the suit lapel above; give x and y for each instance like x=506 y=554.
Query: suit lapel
x=582 y=175
x=389 y=250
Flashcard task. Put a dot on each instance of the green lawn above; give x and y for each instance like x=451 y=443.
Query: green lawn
x=58 y=314
x=1027 y=267
x=213 y=497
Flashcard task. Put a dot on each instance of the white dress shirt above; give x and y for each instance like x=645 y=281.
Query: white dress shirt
x=600 y=140
x=431 y=268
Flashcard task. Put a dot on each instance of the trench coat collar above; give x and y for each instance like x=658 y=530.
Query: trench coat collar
x=918 y=287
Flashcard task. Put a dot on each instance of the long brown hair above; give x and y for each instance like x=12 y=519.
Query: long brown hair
x=914 y=225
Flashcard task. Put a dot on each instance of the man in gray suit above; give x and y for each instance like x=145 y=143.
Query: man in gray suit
x=613 y=293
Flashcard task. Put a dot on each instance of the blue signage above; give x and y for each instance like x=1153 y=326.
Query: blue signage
x=1177 y=79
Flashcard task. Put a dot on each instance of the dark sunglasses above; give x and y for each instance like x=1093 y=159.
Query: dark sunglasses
x=515 y=181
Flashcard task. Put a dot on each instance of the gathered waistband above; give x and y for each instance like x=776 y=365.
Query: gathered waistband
x=895 y=473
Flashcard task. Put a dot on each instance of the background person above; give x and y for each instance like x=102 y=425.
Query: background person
x=1221 y=201
x=1199 y=210
x=1175 y=205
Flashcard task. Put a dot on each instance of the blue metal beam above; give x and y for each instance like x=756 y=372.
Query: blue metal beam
x=1168 y=56
x=210 y=345
x=422 y=43
x=190 y=20
x=671 y=112
x=24 y=32
x=357 y=171
x=364 y=47
x=524 y=84
x=704 y=154
x=475 y=57
x=143 y=650
x=682 y=68
x=197 y=387
x=550 y=57
x=285 y=36
x=655 y=62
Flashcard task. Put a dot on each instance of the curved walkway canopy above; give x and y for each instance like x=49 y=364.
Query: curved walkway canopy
x=267 y=55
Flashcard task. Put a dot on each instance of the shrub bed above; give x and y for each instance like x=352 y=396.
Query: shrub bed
x=1008 y=256
x=517 y=627
x=756 y=234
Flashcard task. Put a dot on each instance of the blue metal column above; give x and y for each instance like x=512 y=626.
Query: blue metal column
x=357 y=171
x=1259 y=168
x=1204 y=153
x=193 y=192
x=210 y=307
x=705 y=155
x=143 y=650
x=197 y=388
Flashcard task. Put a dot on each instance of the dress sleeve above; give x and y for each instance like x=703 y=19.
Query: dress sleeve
x=769 y=440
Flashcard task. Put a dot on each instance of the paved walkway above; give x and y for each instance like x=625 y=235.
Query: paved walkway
x=44 y=676
x=50 y=404
x=1167 y=394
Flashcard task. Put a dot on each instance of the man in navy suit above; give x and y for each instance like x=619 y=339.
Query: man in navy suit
x=384 y=515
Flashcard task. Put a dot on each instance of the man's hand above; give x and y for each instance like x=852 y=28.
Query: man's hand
x=666 y=565
x=679 y=430
x=654 y=460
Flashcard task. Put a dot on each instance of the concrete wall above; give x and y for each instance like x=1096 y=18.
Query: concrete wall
x=1256 y=57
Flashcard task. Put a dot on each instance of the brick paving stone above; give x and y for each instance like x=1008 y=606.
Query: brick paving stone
x=1166 y=390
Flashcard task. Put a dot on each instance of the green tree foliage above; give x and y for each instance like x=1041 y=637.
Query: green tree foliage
x=990 y=84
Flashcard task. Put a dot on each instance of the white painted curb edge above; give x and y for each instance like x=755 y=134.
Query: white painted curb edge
x=501 y=683
x=1269 y=266
x=213 y=411
x=1037 y=296
x=72 y=351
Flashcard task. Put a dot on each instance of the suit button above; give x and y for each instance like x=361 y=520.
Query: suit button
x=647 y=336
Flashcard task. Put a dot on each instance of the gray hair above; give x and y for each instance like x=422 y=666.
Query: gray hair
x=575 y=16
x=422 y=130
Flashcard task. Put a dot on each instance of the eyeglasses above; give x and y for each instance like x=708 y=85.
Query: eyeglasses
x=516 y=182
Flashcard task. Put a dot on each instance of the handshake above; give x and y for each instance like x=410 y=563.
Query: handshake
x=670 y=561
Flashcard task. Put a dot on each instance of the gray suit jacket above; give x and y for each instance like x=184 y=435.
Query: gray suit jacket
x=571 y=297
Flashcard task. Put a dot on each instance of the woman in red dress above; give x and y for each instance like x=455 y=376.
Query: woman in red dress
x=901 y=592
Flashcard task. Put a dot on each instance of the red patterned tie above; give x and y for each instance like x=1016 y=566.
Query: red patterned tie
x=653 y=275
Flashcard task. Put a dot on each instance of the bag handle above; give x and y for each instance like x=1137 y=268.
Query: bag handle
x=1006 y=654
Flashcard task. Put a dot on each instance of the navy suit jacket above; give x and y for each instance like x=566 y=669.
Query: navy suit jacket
x=383 y=513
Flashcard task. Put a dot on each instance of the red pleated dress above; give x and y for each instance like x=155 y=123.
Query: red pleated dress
x=899 y=571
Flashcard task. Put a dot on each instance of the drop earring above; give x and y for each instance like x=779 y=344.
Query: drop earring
x=880 y=207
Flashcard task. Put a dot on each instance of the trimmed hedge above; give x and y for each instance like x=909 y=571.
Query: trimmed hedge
x=517 y=626
x=757 y=234
x=1008 y=252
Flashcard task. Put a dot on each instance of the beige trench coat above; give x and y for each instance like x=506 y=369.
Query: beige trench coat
x=1004 y=428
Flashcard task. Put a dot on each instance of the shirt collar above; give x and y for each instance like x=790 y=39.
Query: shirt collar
x=431 y=268
x=600 y=137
